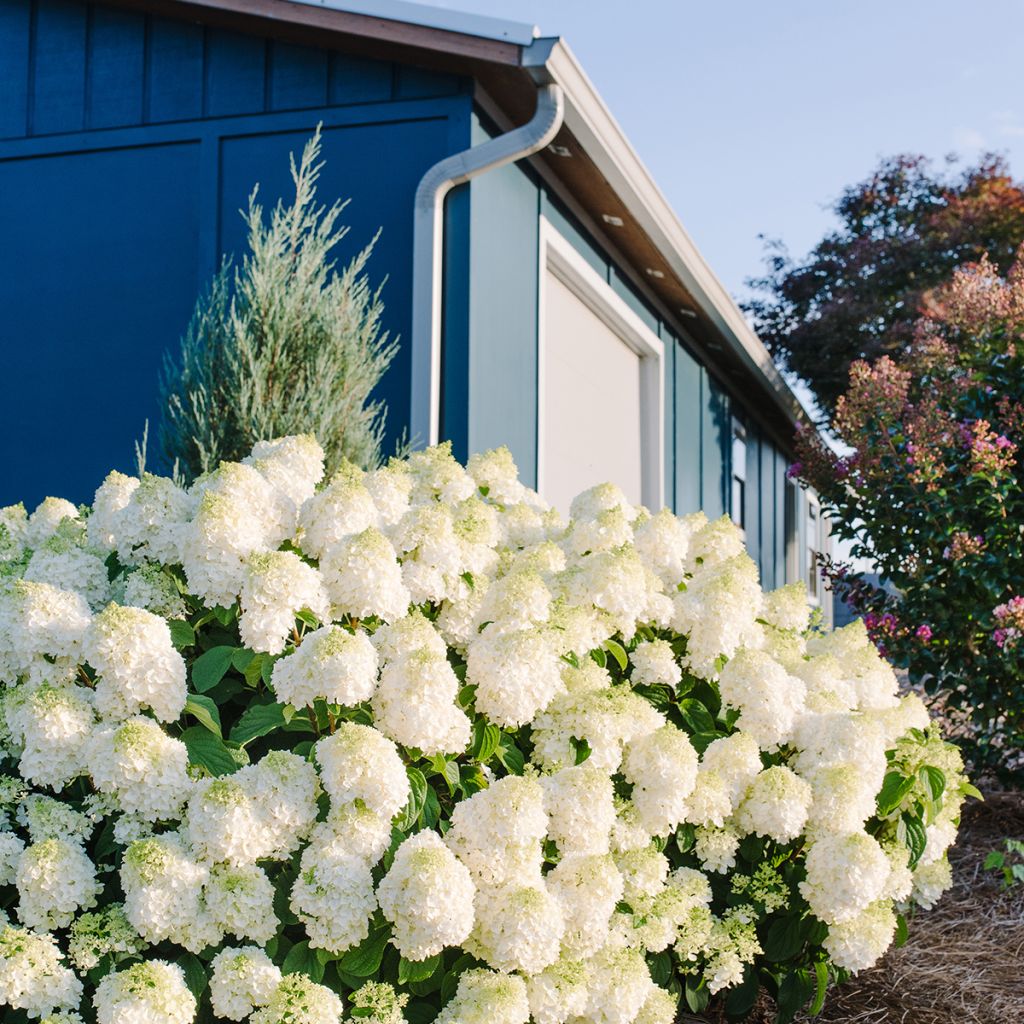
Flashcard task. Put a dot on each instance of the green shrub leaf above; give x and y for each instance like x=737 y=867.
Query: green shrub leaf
x=209 y=668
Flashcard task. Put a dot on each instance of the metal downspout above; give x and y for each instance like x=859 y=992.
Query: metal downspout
x=428 y=248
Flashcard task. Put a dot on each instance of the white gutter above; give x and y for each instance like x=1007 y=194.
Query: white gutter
x=428 y=248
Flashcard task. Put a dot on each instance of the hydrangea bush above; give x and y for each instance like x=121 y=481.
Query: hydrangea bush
x=405 y=745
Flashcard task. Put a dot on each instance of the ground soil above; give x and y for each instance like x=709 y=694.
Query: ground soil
x=964 y=960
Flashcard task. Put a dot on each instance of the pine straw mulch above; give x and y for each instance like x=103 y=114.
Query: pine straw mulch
x=964 y=960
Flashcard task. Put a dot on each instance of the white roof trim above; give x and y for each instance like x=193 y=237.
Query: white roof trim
x=606 y=144
x=448 y=20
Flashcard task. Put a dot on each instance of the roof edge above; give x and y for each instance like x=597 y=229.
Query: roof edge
x=592 y=123
x=447 y=19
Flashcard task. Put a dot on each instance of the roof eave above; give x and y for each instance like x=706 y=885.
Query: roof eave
x=590 y=121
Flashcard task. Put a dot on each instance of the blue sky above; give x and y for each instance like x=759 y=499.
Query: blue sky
x=752 y=116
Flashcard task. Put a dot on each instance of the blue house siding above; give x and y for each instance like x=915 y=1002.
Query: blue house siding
x=129 y=144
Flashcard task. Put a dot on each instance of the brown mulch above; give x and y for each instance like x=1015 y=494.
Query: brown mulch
x=964 y=960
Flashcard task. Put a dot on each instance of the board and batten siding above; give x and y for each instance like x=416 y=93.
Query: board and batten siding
x=128 y=145
x=491 y=352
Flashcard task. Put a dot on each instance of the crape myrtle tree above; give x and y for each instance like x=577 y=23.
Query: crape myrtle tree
x=901 y=232
x=932 y=494
x=283 y=344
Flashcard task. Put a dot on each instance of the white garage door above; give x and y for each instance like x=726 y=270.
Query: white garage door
x=591 y=390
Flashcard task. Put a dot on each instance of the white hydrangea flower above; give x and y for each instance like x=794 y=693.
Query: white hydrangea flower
x=359 y=763
x=662 y=541
x=391 y=488
x=654 y=664
x=333 y=897
x=153 y=990
x=844 y=795
x=714 y=543
x=716 y=848
x=111 y=497
x=559 y=993
x=151 y=588
x=33 y=975
x=497 y=832
x=858 y=943
x=787 y=608
x=344 y=507
x=163 y=887
x=52 y=725
x=276 y=586
x=151 y=524
x=930 y=882
x=776 y=805
x=517 y=928
x=330 y=663
x=660 y=1007
x=409 y=633
x=55 y=879
x=363 y=577
x=355 y=829
x=710 y=803
x=718 y=612
x=606 y=718
x=643 y=870
x=516 y=601
x=768 y=698
x=11 y=849
x=580 y=804
x=241 y=979
x=487 y=997
x=140 y=765
x=292 y=465
x=377 y=1002
x=41 y=631
x=620 y=985
x=240 y=900
x=845 y=875
x=496 y=475
x=298 y=1000
x=238 y=513
x=101 y=933
x=663 y=769
x=587 y=888
x=47 y=517
x=415 y=704
x=137 y=664
x=285 y=788
x=63 y=562
x=427 y=895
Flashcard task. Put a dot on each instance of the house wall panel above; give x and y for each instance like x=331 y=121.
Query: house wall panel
x=57 y=101
x=150 y=134
x=15 y=52
x=115 y=73
x=688 y=420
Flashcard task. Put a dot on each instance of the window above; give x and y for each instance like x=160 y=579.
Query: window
x=813 y=543
x=739 y=474
x=601 y=400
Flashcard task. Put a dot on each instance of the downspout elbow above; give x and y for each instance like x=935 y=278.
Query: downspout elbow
x=428 y=247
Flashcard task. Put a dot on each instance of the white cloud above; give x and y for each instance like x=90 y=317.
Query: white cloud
x=968 y=138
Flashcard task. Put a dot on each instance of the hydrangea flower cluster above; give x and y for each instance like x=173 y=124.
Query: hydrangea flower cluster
x=408 y=745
